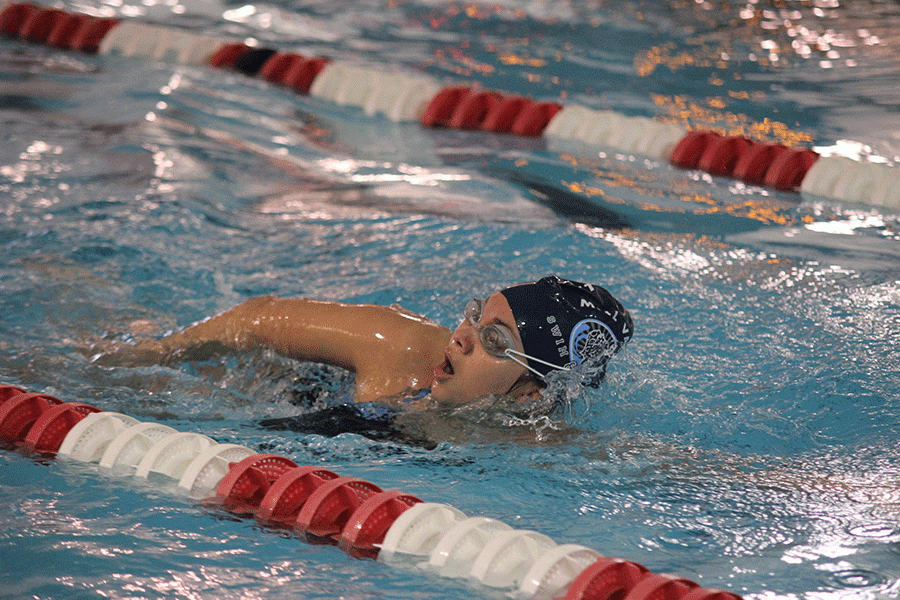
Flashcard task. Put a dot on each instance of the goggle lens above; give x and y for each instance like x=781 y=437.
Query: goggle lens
x=473 y=311
x=495 y=339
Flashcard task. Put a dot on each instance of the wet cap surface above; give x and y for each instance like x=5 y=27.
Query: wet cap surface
x=567 y=322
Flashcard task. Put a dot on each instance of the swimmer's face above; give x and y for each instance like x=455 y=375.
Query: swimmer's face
x=468 y=371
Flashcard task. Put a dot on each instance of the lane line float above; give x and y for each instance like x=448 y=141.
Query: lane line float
x=359 y=517
x=402 y=97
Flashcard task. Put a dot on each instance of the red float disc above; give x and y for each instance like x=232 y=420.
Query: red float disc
x=502 y=115
x=661 y=587
x=50 y=429
x=789 y=168
x=688 y=151
x=276 y=66
x=533 y=119
x=370 y=522
x=19 y=414
x=472 y=110
x=39 y=24
x=722 y=154
x=442 y=106
x=301 y=74
x=91 y=33
x=7 y=392
x=709 y=594
x=14 y=17
x=753 y=163
x=606 y=579
x=63 y=33
x=328 y=509
x=287 y=494
x=246 y=483
x=227 y=56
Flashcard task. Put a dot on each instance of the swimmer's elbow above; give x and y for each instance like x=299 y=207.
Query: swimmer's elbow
x=235 y=328
x=293 y=327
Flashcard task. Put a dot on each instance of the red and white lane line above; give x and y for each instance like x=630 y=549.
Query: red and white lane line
x=356 y=515
x=405 y=97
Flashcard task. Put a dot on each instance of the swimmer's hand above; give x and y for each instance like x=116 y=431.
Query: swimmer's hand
x=138 y=348
x=127 y=353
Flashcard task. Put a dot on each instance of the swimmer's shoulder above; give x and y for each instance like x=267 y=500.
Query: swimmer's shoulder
x=415 y=317
x=420 y=334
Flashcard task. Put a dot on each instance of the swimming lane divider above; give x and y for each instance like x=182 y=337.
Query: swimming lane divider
x=403 y=97
x=323 y=507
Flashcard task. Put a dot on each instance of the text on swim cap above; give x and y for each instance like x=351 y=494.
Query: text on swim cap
x=558 y=337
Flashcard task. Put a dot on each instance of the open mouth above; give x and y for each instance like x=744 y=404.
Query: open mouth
x=447 y=366
x=443 y=370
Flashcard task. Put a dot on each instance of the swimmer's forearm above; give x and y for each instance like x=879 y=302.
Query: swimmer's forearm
x=211 y=329
x=233 y=328
x=293 y=327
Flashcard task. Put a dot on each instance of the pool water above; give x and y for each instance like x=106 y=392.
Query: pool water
x=746 y=438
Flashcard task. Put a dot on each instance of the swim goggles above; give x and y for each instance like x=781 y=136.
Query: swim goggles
x=498 y=341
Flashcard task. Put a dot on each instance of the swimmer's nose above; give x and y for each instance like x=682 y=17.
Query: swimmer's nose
x=462 y=337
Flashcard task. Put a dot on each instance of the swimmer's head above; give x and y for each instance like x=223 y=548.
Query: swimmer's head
x=509 y=342
x=565 y=323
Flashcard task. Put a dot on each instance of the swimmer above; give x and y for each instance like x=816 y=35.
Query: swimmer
x=506 y=344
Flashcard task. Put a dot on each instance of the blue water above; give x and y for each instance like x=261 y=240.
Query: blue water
x=746 y=438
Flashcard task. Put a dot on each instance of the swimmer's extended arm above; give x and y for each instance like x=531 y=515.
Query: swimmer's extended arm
x=292 y=327
x=346 y=335
x=392 y=351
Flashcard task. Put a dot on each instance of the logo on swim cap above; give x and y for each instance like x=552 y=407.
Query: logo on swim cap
x=588 y=339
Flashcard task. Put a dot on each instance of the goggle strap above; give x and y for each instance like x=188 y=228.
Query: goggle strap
x=524 y=364
x=512 y=354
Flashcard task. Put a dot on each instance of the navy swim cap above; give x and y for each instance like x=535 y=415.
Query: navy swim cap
x=567 y=323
